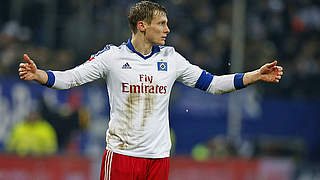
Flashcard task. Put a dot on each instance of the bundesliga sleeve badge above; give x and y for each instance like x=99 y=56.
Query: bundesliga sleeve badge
x=162 y=66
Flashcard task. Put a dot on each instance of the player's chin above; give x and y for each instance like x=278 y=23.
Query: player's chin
x=161 y=42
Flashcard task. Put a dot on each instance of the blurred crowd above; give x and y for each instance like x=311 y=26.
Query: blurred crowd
x=51 y=127
x=61 y=34
x=222 y=147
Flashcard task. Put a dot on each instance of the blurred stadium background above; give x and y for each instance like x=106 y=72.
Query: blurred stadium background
x=264 y=132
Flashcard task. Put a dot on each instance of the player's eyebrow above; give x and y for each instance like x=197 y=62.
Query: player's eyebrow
x=163 y=20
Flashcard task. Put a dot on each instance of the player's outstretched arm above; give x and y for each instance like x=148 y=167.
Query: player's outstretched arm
x=269 y=72
x=28 y=71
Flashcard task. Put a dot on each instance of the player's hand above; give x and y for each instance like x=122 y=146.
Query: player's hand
x=270 y=72
x=28 y=70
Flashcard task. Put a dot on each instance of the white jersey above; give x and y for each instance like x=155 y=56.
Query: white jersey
x=139 y=89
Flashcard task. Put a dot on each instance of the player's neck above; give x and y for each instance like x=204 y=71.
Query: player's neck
x=141 y=45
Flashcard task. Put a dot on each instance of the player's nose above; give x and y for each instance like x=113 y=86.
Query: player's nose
x=166 y=29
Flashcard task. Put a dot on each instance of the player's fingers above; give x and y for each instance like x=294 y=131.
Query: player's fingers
x=27 y=68
x=279 y=68
x=26 y=77
x=280 y=73
x=23 y=77
x=24 y=69
x=28 y=60
x=26 y=65
x=269 y=65
x=278 y=77
x=22 y=73
x=23 y=64
x=274 y=69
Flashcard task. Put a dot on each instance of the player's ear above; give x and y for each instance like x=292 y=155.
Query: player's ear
x=141 y=26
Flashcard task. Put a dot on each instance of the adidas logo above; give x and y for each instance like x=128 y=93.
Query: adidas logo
x=126 y=66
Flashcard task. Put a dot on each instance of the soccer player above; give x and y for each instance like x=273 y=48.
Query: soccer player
x=139 y=75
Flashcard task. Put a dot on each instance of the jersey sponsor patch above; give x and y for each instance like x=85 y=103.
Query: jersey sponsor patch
x=162 y=66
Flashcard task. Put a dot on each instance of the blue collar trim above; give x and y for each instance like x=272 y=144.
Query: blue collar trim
x=154 y=50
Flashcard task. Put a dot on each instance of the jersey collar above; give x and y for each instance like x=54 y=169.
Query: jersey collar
x=154 y=50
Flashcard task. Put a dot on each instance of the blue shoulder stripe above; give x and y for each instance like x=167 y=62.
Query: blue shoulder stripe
x=106 y=48
x=204 y=80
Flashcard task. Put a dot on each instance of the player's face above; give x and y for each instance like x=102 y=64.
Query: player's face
x=157 y=31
